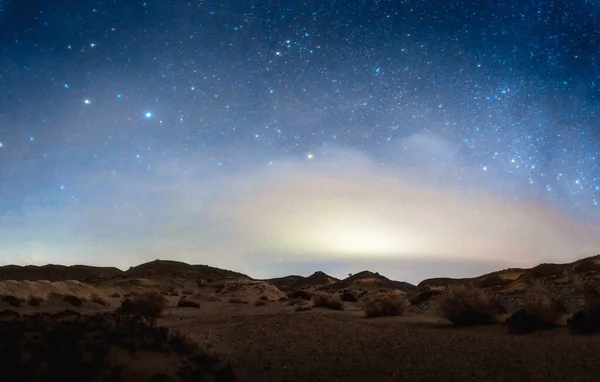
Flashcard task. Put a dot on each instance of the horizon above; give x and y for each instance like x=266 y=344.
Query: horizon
x=408 y=139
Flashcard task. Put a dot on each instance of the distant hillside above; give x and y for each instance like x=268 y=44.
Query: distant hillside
x=367 y=280
x=91 y=274
x=168 y=268
x=295 y=282
x=588 y=267
x=54 y=272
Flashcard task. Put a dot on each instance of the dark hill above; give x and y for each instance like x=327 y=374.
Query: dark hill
x=367 y=280
x=168 y=268
x=53 y=272
x=295 y=282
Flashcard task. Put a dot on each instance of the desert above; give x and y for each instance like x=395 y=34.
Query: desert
x=171 y=321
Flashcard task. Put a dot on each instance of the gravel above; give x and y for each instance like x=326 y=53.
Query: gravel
x=320 y=345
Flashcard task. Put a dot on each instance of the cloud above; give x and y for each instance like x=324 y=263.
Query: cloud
x=341 y=211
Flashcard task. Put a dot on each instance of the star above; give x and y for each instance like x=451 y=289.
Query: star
x=87 y=101
x=148 y=114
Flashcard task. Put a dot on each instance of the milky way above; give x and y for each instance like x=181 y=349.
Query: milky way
x=109 y=103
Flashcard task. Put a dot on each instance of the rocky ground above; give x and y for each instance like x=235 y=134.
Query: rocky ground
x=274 y=343
x=251 y=327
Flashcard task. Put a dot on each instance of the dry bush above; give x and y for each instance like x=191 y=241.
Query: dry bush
x=99 y=299
x=260 y=302
x=115 y=295
x=467 y=305
x=542 y=303
x=385 y=304
x=303 y=307
x=185 y=303
x=187 y=292
x=542 y=309
x=323 y=300
x=101 y=347
x=587 y=320
x=12 y=300
x=147 y=304
x=295 y=301
x=348 y=296
x=35 y=301
x=237 y=300
x=69 y=299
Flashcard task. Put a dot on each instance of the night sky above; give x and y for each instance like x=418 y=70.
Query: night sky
x=414 y=138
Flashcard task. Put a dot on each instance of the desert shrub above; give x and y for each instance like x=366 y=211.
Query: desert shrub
x=322 y=300
x=466 y=305
x=260 y=302
x=264 y=298
x=385 y=304
x=187 y=292
x=115 y=295
x=147 y=304
x=185 y=303
x=542 y=302
x=348 y=297
x=69 y=299
x=587 y=320
x=11 y=300
x=300 y=294
x=35 y=301
x=99 y=299
x=295 y=301
x=237 y=300
x=424 y=296
x=101 y=347
x=303 y=307
x=541 y=310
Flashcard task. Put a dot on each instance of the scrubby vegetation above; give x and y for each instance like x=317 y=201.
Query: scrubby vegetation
x=237 y=300
x=324 y=300
x=541 y=311
x=185 y=303
x=385 y=304
x=147 y=304
x=587 y=320
x=260 y=302
x=466 y=305
x=303 y=307
x=67 y=347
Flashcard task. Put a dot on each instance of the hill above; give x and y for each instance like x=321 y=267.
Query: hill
x=516 y=278
x=53 y=272
x=169 y=268
x=295 y=282
x=370 y=282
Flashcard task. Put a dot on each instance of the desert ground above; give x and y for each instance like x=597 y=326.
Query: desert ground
x=277 y=330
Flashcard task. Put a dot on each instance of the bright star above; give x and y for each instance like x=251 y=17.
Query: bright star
x=309 y=156
x=148 y=114
x=87 y=101
x=1 y=145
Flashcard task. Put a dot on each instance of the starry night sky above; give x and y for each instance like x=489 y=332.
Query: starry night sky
x=274 y=137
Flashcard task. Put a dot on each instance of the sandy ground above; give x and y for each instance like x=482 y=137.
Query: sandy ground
x=274 y=343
